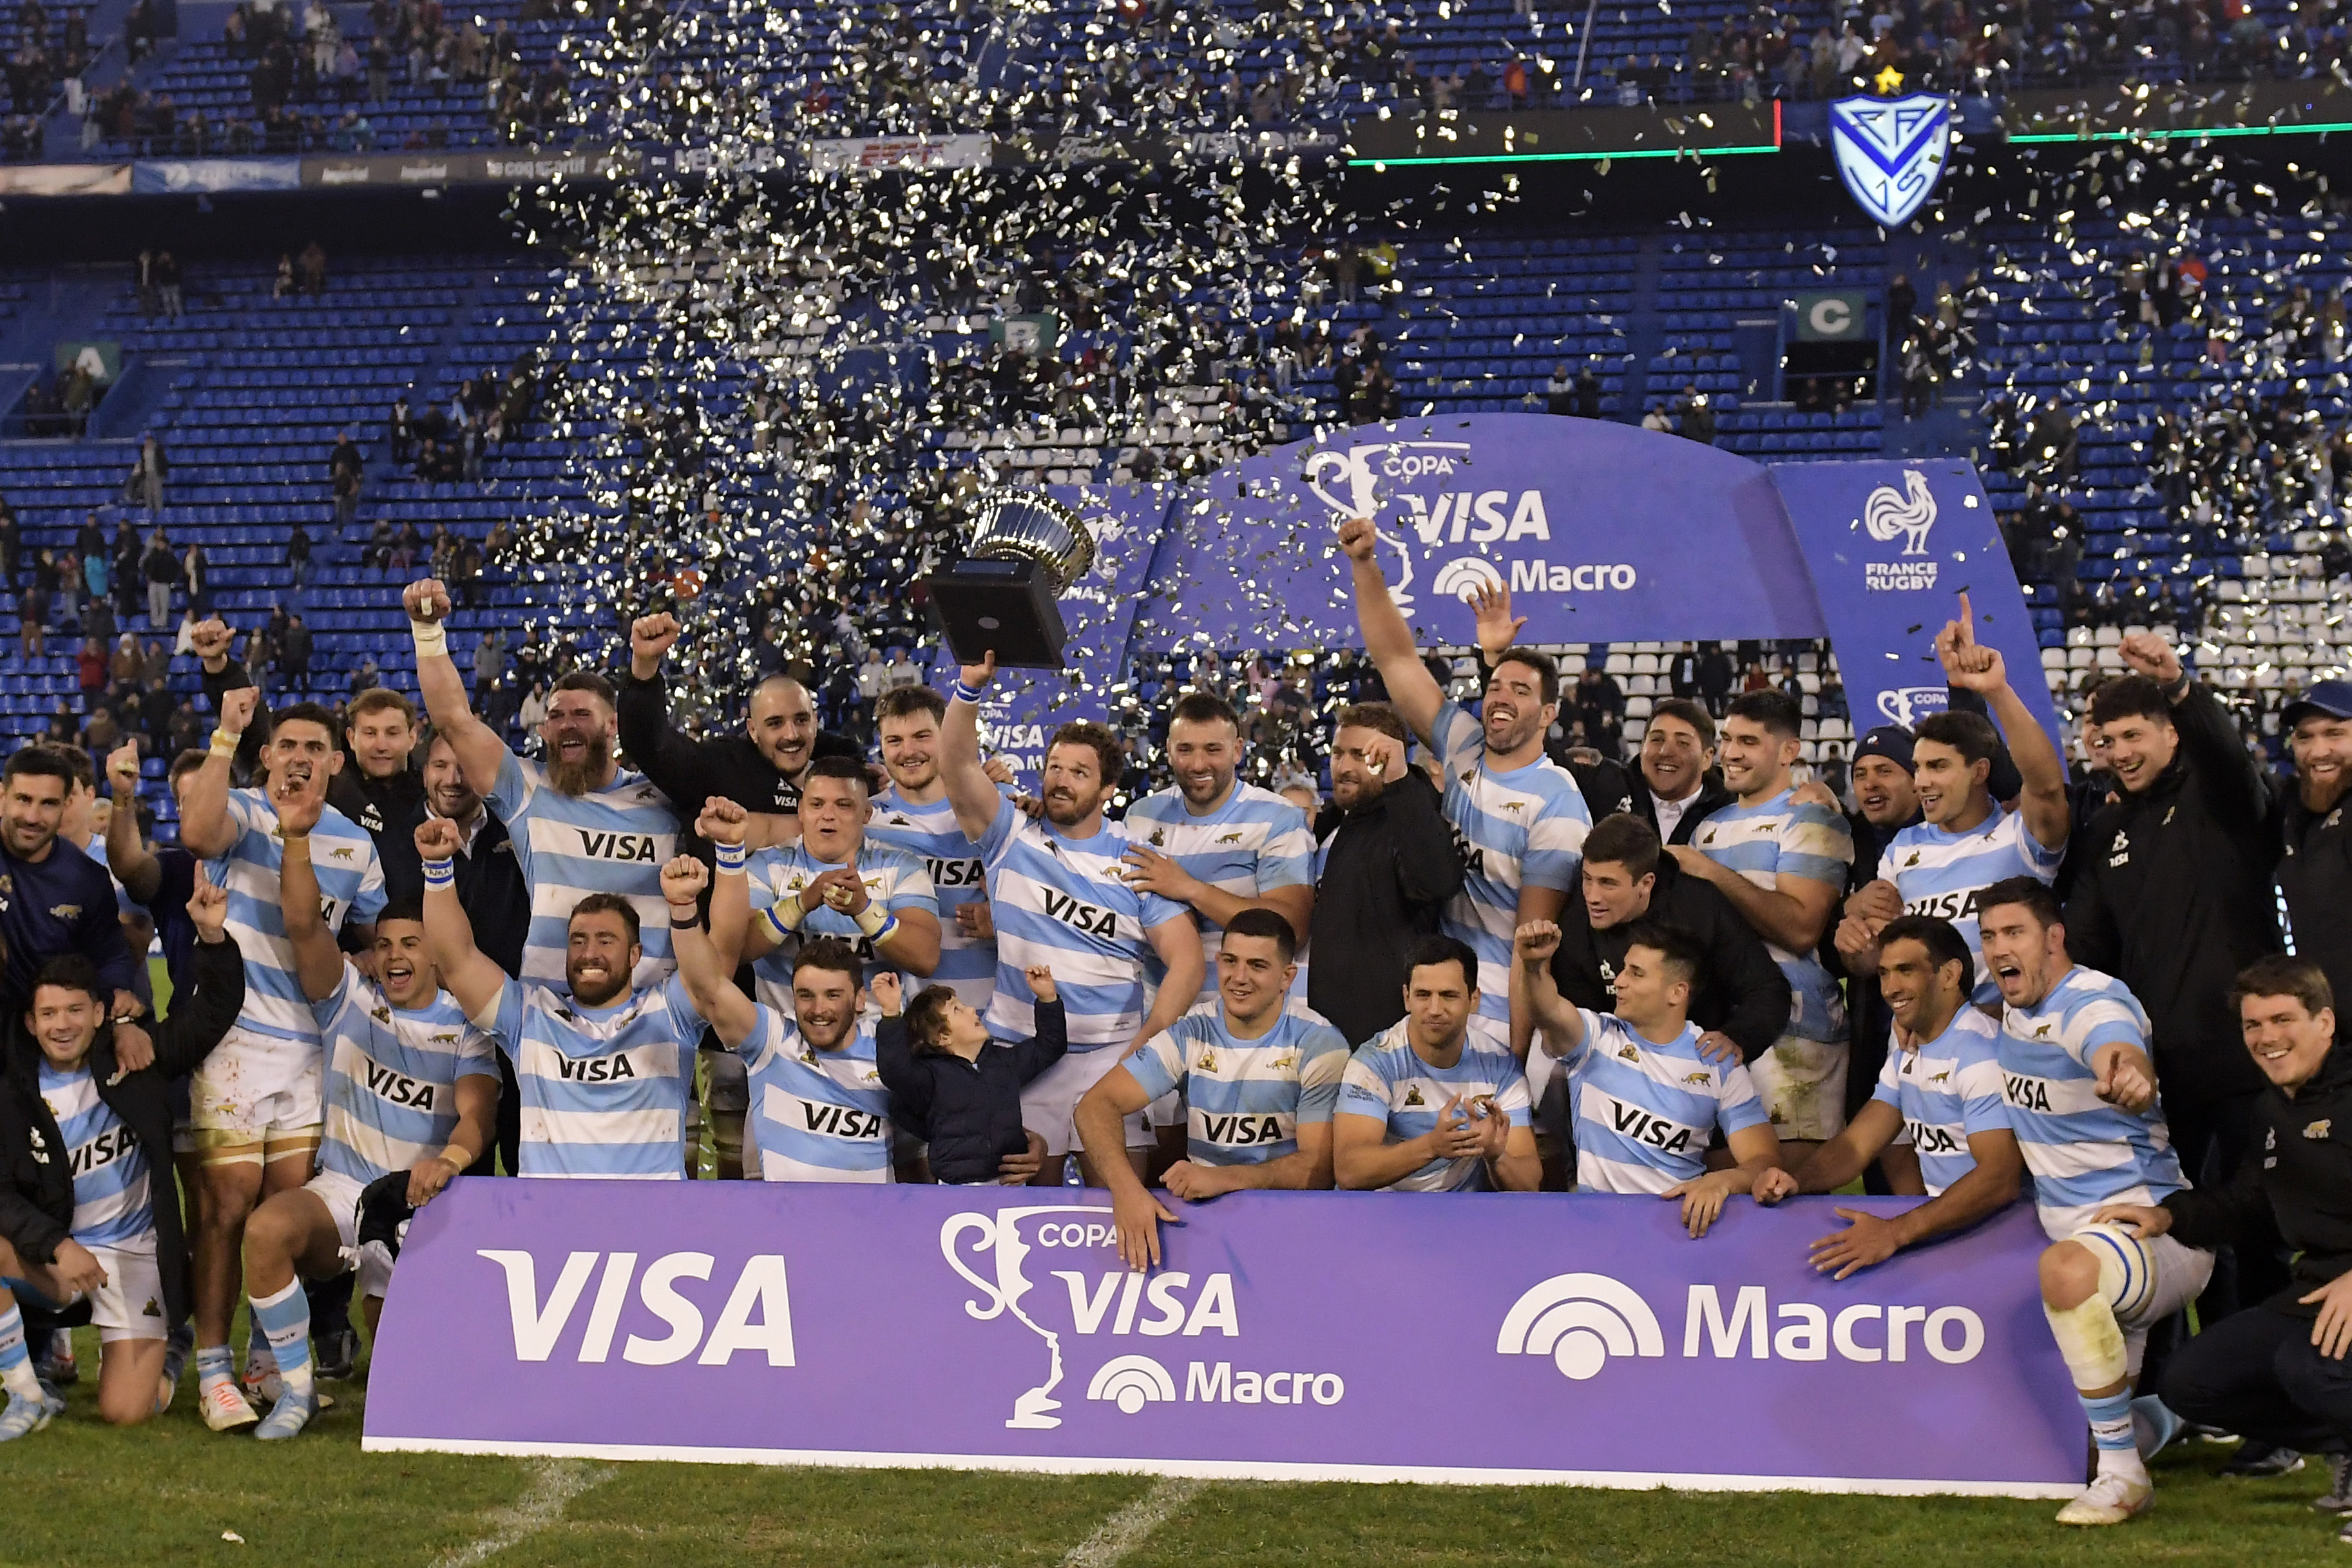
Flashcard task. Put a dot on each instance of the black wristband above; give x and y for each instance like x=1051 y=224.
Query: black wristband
x=691 y=922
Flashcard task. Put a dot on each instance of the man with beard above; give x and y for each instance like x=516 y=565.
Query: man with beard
x=1384 y=867
x=819 y=1109
x=59 y=901
x=2317 y=874
x=915 y=814
x=1886 y=801
x=761 y=770
x=1516 y=814
x=1782 y=862
x=256 y=1105
x=412 y=1087
x=579 y=823
x=1941 y=1086
x=1060 y=901
x=600 y=1064
x=1214 y=843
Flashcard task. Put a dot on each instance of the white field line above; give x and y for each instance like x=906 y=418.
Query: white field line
x=1127 y=1528
x=554 y=1483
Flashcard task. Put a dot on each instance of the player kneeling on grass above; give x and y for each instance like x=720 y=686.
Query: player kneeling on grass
x=411 y=1086
x=90 y=1203
x=1259 y=1086
x=2081 y=1095
x=1942 y=1082
x=2277 y=1372
x=1646 y=1095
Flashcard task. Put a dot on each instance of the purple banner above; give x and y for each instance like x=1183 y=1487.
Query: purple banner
x=1490 y=1338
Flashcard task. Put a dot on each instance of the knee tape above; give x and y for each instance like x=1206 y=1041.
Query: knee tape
x=2126 y=1271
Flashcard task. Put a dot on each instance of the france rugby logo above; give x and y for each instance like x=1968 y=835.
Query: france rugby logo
x=1892 y=150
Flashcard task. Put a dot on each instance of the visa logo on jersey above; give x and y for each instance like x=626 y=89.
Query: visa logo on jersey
x=756 y=1315
x=594 y=1069
x=635 y=847
x=102 y=1150
x=1077 y=912
x=387 y=1084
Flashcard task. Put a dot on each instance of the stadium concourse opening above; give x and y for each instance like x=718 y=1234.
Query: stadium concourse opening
x=1719 y=804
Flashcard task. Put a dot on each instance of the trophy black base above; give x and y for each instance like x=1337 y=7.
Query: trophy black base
x=1003 y=605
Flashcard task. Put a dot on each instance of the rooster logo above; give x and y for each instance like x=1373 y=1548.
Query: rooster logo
x=1910 y=512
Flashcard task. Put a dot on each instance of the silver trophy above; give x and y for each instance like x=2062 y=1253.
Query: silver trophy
x=1026 y=550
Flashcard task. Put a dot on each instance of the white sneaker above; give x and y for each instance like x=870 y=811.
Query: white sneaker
x=225 y=1409
x=2111 y=1498
x=262 y=1384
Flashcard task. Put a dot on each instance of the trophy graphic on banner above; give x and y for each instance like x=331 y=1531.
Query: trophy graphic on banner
x=999 y=1234
x=1026 y=550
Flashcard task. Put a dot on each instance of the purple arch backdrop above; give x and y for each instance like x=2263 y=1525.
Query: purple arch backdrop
x=1604 y=533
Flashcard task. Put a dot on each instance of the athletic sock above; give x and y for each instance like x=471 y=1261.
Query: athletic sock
x=214 y=1365
x=285 y=1319
x=15 y=1361
x=2111 y=1429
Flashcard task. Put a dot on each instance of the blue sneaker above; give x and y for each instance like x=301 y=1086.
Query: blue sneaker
x=2153 y=1425
x=287 y=1417
x=24 y=1415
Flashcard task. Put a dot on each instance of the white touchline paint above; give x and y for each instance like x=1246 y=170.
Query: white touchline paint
x=554 y=1483
x=1127 y=1528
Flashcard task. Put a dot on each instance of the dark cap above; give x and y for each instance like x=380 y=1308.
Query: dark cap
x=2328 y=698
x=1892 y=741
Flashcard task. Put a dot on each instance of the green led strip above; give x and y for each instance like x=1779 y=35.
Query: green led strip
x=2193 y=135
x=1560 y=157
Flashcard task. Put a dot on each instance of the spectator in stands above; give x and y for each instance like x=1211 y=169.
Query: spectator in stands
x=1560 y=391
x=129 y=584
x=167 y=285
x=11 y=543
x=1902 y=308
x=89 y=672
x=144 y=484
x=294 y=654
x=101 y=734
x=1697 y=423
x=1587 y=394
x=196 y=571
x=311 y=269
x=32 y=615
x=1655 y=419
x=284 y=285
x=297 y=558
x=126 y=667
x=162 y=568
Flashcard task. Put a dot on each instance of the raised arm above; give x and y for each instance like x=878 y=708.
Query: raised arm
x=1562 y=1026
x=201 y=1015
x=206 y=830
x=710 y=978
x=480 y=752
x=466 y=974
x=1413 y=690
x=650 y=738
x=969 y=791
x=1969 y=666
x=2223 y=771
x=318 y=958
x=135 y=865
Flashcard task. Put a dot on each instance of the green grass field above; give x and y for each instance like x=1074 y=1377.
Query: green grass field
x=82 y=1494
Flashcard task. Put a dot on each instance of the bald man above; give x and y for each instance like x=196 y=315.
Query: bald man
x=761 y=770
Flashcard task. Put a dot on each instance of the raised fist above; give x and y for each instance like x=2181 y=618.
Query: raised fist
x=683 y=880
x=425 y=599
x=722 y=821
x=210 y=639
x=1535 y=941
x=436 y=838
x=237 y=708
x=978 y=675
x=122 y=770
x=650 y=639
x=1357 y=539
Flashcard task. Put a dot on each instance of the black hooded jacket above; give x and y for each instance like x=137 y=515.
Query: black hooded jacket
x=36 y=1199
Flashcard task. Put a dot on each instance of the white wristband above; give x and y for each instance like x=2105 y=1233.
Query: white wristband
x=431 y=637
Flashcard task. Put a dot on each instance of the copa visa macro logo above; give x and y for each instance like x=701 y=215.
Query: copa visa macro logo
x=1582 y=1321
x=1424 y=483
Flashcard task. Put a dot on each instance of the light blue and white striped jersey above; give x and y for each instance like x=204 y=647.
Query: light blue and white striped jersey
x=1387 y=1079
x=1945 y=1090
x=1644 y=1111
x=1255 y=842
x=1524 y=827
x=1940 y=874
x=611 y=840
x=929 y=833
x=351 y=887
x=821 y=1116
x=1244 y=1100
x=1774 y=839
x=2084 y=1152
x=111 y=1207
x=1060 y=901
x=894 y=879
x=602 y=1088
x=391 y=1077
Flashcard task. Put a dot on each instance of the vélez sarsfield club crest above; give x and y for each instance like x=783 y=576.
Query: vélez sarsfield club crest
x=1892 y=150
